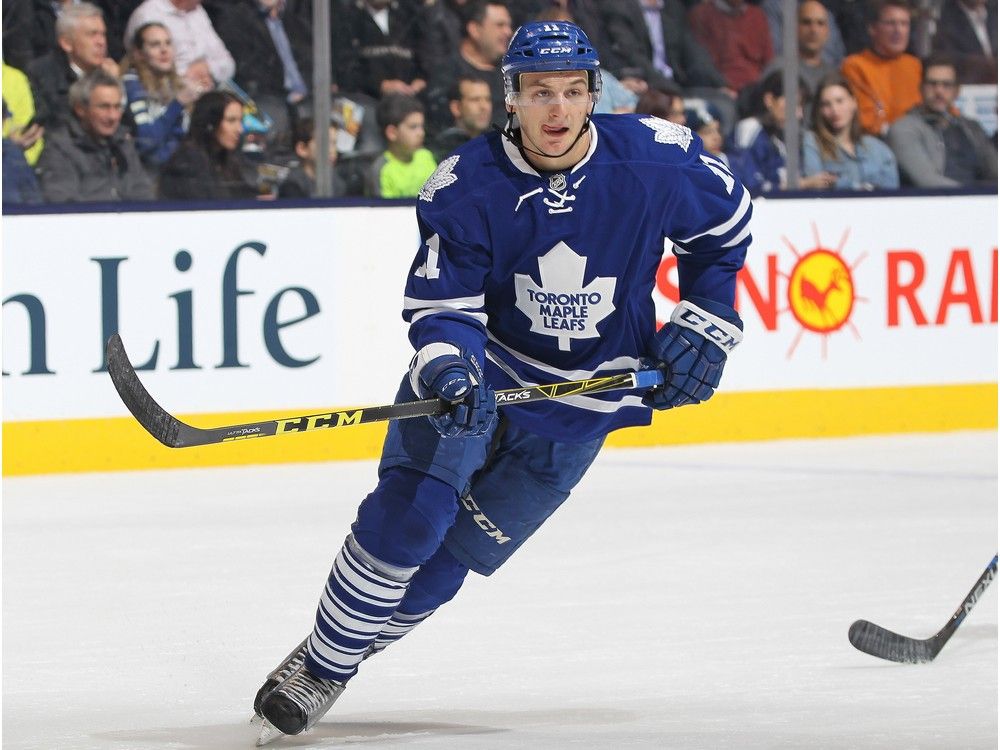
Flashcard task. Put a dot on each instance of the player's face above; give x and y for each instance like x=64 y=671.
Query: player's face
x=231 y=128
x=87 y=44
x=939 y=87
x=837 y=108
x=890 y=34
x=552 y=108
x=158 y=49
x=814 y=27
x=103 y=113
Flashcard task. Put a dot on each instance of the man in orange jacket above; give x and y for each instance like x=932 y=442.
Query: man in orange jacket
x=885 y=79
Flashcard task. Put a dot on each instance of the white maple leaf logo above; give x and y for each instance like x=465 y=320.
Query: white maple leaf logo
x=441 y=177
x=668 y=132
x=561 y=306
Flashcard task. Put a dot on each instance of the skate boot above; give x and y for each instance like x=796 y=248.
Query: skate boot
x=289 y=665
x=298 y=703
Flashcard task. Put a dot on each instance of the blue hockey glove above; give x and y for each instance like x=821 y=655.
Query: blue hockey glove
x=445 y=371
x=691 y=350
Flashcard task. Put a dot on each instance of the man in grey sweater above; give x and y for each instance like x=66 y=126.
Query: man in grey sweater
x=934 y=145
x=91 y=157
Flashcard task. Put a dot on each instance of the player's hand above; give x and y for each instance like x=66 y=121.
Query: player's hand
x=692 y=350
x=445 y=371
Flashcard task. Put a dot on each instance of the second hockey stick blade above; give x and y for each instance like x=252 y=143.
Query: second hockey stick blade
x=885 y=644
x=174 y=433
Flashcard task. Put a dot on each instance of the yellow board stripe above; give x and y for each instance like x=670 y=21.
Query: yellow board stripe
x=118 y=444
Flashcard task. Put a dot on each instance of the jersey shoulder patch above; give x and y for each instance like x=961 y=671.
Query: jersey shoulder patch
x=442 y=177
x=668 y=132
x=648 y=139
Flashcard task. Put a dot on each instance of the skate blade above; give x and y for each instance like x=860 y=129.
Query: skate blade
x=266 y=731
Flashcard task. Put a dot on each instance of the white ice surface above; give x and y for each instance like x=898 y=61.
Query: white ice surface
x=693 y=598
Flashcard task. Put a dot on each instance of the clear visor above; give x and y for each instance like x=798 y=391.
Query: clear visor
x=538 y=97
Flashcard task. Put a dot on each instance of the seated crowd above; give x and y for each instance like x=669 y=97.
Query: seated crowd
x=133 y=100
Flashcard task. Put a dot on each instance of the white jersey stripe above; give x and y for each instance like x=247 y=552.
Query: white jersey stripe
x=735 y=219
x=738 y=238
x=455 y=303
x=478 y=317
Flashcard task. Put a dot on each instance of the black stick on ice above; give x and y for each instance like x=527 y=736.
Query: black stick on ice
x=174 y=433
x=877 y=641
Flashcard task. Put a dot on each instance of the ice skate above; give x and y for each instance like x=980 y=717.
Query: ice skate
x=288 y=666
x=296 y=705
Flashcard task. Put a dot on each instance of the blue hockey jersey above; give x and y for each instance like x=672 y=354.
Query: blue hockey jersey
x=549 y=276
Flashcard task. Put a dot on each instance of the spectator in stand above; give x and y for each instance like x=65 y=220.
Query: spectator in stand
x=273 y=54
x=758 y=156
x=837 y=145
x=666 y=103
x=375 y=49
x=439 y=32
x=831 y=52
x=884 y=77
x=19 y=182
x=813 y=33
x=934 y=145
x=472 y=110
x=18 y=29
x=91 y=157
x=301 y=180
x=486 y=32
x=650 y=45
x=967 y=30
x=737 y=37
x=405 y=165
x=116 y=15
x=200 y=54
x=705 y=124
x=159 y=100
x=851 y=17
x=82 y=47
x=208 y=165
x=19 y=111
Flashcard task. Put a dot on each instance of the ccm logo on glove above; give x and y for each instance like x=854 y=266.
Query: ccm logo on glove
x=721 y=333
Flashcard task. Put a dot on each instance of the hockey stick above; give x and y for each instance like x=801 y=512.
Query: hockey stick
x=176 y=434
x=877 y=641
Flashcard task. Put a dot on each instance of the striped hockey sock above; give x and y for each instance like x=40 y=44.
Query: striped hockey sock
x=361 y=596
x=397 y=626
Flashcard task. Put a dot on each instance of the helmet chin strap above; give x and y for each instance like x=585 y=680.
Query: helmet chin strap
x=514 y=136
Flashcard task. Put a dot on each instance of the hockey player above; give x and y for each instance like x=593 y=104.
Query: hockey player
x=540 y=249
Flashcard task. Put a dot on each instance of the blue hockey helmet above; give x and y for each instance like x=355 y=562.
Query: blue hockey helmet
x=542 y=46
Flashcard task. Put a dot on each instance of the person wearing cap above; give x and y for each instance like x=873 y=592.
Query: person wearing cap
x=540 y=244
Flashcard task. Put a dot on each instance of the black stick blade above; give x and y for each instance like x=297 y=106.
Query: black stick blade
x=149 y=414
x=877 y=641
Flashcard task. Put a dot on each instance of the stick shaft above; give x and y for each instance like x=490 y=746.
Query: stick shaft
x=176 y=434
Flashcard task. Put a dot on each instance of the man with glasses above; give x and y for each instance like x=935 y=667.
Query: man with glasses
x=884 y=77
x=934 y=145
